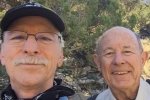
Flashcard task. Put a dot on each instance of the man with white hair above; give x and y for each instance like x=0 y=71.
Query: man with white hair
x=120 y=57
x=31 y=51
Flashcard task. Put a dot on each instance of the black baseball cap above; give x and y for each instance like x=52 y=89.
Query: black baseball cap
x=31 y=9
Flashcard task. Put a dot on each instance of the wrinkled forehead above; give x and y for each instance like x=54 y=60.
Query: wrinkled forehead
x=118 y=35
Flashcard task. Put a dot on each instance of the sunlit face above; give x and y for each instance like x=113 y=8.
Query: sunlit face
x=31 y=63
x=120 y=59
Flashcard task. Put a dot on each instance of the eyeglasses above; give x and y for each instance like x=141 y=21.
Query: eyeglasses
x=20 y=37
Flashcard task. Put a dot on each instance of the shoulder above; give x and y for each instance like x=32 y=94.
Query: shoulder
x=145 y=84
x=104 y=95
x=144 y=90
x=100 y=96
x=148 y=81
x=77 y=96
x=93 y=97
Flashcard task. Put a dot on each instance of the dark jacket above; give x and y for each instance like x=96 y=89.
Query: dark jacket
x=53 y=93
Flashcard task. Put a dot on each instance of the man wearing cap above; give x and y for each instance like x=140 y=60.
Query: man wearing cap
x=31 y=51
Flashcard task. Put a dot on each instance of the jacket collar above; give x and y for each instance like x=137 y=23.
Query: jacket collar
x=53 y=93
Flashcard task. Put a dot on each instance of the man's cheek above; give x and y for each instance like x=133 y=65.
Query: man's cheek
x=3 y=59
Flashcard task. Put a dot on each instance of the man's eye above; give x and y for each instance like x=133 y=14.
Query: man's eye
x=44 y=39
x=108 y=54
x=19 y=37
x=128 y=52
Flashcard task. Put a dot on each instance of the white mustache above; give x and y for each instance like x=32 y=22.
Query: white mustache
x=31 y=60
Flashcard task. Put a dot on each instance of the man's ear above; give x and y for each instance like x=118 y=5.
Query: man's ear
x=97 y=62
x=60 y=60
x=1 y=58
x=144 y=57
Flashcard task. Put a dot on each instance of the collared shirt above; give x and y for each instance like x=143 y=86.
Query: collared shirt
x=143 y=93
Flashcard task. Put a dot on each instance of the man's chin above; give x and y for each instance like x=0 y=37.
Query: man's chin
x=122 y=85
x=30 y=82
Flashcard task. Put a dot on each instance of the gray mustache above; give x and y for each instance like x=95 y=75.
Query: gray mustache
x=31 y=60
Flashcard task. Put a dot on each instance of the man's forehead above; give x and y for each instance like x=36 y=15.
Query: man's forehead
x=118 y=33
x=124 y=47
x=118 y=36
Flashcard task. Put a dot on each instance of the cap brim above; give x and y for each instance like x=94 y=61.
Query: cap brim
x=15 y=14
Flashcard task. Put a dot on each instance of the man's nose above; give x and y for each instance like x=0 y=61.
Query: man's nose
x=118 y=59
x=31 y=46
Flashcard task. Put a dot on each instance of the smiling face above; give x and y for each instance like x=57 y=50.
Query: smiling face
x=120 y=58
x=31 y=63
